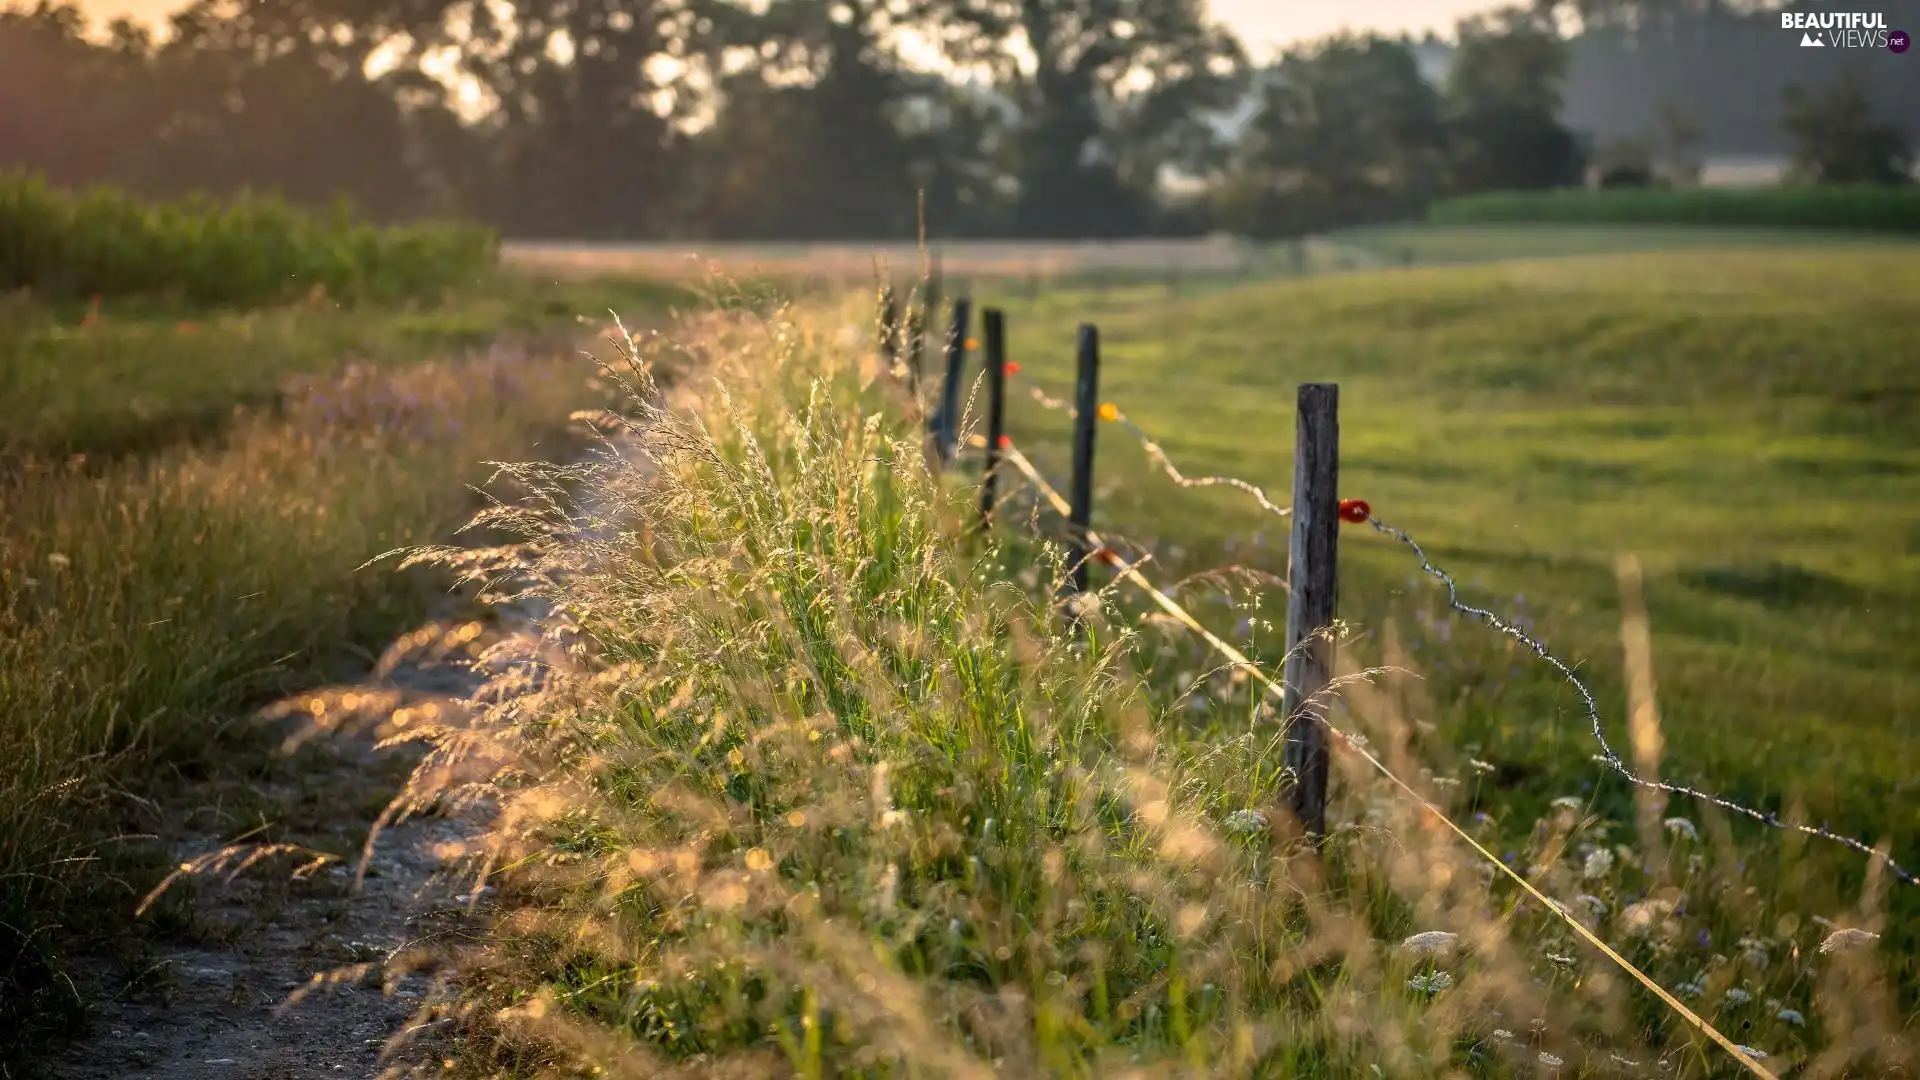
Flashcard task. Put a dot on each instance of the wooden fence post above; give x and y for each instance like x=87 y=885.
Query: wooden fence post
x=1312 y=577
x=1086 y=403
x=993 y=331
x=947 y=421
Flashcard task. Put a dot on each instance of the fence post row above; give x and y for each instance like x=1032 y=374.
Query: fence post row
x=1086 y=403
x=1312 y=577
x=1313 y=550
x=947 y=420
x=993 y=331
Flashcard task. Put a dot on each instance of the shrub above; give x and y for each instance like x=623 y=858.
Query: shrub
x=252 y=250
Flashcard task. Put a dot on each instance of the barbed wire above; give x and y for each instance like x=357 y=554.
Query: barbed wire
x=1607 y=756
x=1111 y=412
x=1357 y=745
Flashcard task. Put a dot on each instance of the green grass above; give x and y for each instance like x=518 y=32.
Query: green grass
x=146 y=374
x=838 y=796
x=1869 y=208
x=1436 y=244
x=1748 y=425
x=198 y=556
x=108 y=243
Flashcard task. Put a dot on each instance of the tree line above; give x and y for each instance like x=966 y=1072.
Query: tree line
x=797 y=119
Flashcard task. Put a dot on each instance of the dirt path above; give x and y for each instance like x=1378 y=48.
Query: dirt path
x=206 y=993
x=208 y=1001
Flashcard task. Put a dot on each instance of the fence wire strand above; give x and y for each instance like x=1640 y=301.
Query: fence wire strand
x=1130 y=571
x=1607 y=755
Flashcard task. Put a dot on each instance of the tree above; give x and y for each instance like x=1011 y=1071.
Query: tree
x=1348 y=130
x=1105 y=95
x=1503 y=102
x=1680 y=135
x=811 y=139
x=1839 y=139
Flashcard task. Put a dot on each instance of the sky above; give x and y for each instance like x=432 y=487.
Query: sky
x=1264 y=25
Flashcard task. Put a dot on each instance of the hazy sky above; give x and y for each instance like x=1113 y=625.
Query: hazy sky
x=1262 y=24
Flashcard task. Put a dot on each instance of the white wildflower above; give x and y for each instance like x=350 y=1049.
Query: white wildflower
x=1502 y=1035
x=1791 y=1016
x=1560 y=961
x=1592 y=903
x=1737 y=996
x=1431 y=983
x=1431 y=943
x=1246 y=822
x=1757 y=1055
x=1680 y=826
x=1597 y=864
x=1694 y=988
x=1569 y=802
x=1482 y=766
x=1550 y=1061
x=1846 y=939
x=1628 y=1062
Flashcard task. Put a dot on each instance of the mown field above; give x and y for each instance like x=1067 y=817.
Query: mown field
x=1744 y=423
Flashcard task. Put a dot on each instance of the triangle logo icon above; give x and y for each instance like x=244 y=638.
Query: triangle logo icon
x=1808 y=41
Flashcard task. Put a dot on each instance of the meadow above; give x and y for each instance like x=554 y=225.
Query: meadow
x=1744 y=425
x=1884 y=208
x=834 y=793
x=838 y=795
x=186 y=495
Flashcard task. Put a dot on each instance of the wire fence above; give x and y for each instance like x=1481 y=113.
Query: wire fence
x=1002 y=447
x=1607 y=755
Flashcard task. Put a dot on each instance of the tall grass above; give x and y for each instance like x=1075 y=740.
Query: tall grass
x=1867 y=208
x=145 y=607
x=801 y=781
x=252 y=250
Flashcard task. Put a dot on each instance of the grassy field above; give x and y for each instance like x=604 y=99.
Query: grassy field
x=843 y=800
x=1747 y=424
x=1872 y=208
x=1429 y=245
x=185 y=496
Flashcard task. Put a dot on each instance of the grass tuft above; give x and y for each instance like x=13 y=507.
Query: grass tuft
x=798 y=780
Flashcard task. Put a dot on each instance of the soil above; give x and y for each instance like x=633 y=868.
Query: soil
x=209 y=996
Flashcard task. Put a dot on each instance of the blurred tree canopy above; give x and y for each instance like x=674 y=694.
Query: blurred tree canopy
x=814 y=119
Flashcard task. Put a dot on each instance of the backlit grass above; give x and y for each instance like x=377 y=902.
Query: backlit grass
x=182 y=516
x=1744 y=423
x=813 y=785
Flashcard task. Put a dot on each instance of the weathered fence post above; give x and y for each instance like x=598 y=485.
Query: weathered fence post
x=947 y=422
x=1312 y=576
x=993 y=331
x=1086 y=404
